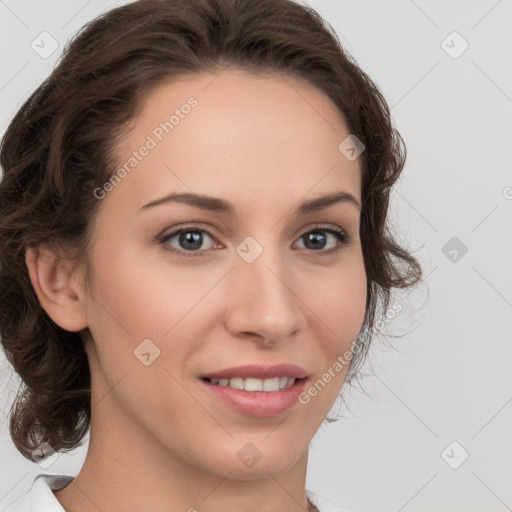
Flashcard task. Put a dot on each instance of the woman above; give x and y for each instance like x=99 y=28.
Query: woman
x=193 y=242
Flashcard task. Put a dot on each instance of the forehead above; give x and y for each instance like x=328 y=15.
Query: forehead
x=263 y=137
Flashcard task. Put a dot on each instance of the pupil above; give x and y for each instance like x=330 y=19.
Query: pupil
x=313 y=237
x=192 y=237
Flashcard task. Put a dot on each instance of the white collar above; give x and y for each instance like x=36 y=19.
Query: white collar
x=40 y=497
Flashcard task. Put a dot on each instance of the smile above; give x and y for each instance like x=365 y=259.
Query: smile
x=252 y=384
x=257 y=390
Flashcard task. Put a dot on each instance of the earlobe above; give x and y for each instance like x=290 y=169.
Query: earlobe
x=56 y=290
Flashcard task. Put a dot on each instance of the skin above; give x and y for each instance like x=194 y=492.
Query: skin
x=158 y=440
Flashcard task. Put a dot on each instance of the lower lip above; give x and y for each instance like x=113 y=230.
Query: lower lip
x=258 y=403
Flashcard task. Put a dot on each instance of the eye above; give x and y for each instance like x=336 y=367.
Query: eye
x=316 y=239
x=190 y=240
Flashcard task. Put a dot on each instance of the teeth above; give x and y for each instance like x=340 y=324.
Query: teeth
x=252 y=384
x=270 y=384
x=237 y=383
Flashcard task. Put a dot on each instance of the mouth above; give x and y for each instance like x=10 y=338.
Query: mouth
x=257 y=390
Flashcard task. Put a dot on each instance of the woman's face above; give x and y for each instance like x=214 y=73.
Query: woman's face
x=248 y=282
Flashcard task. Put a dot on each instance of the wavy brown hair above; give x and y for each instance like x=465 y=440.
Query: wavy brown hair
x=61 y=145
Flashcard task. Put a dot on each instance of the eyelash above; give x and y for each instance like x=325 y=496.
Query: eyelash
x=342 y=237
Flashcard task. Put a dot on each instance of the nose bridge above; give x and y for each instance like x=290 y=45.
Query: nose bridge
x=262 y=300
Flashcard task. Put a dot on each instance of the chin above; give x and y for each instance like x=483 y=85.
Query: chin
x=256 y=459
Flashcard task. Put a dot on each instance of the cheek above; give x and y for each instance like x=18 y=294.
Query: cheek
x=143 y=294
x=341 y=308
x=138 y=299
x=340 y=300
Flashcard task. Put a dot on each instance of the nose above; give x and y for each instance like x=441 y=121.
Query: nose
x=262 y=302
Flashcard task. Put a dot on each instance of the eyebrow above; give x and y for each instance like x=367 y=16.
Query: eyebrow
x=217 y=205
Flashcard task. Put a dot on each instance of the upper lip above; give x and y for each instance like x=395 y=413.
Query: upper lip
x=259 y=371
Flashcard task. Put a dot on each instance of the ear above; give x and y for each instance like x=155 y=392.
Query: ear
x=59 y=294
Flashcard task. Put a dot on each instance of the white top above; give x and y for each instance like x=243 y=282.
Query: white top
x=40 y=497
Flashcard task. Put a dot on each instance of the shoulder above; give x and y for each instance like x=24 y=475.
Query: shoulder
x=323 y=504
x=40 y=497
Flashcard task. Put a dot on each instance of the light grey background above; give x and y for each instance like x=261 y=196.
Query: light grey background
x=449 y=379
